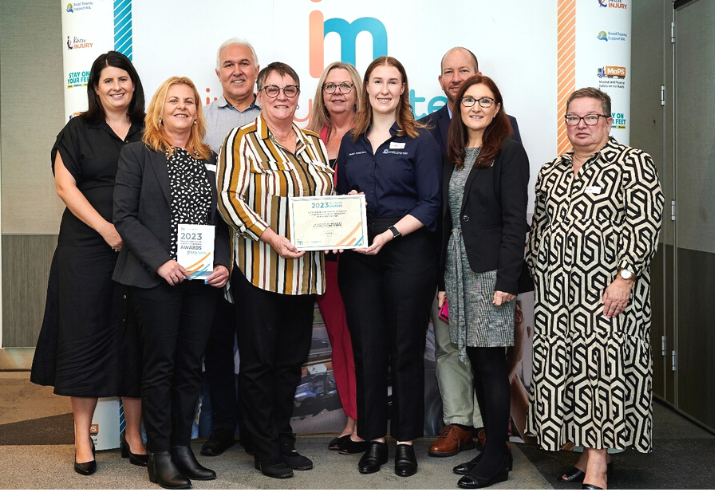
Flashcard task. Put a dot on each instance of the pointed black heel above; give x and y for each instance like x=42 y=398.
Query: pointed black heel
x=135 y=459
x=89 y=467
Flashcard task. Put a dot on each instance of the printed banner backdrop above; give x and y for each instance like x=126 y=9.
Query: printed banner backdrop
x=537 y=52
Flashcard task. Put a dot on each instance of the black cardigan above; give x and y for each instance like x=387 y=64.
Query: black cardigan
x=493 y=216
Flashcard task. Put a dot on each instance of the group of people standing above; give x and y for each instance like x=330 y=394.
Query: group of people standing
x=447 y=222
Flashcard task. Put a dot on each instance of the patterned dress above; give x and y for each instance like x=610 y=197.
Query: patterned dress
x=474 y=320
x=592 y=376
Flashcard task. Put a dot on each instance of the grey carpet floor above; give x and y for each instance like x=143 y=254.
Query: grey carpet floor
x=36 y=451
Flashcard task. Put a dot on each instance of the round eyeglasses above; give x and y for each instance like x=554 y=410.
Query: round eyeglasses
x=343 y=88
x=589 y=119
x=484 y=102
x=272 y=91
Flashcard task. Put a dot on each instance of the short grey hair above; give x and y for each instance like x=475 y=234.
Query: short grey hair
x=592 y=93
x=231 y=42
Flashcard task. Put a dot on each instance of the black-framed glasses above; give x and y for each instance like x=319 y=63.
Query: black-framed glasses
x=589 y=119
x=484 y=102
x=272 y=91
x=343 y=88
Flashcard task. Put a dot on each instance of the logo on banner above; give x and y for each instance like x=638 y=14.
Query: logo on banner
x=614 y=4
x=77 y=6
x=619 y=120
x=612 y=71
x=610 y=77
x=319 y=27
x=77 y=79
x=611 y=36
x=78 y=43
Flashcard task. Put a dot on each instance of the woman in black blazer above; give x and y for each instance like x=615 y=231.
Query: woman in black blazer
x=166 y=180
x=484 y=198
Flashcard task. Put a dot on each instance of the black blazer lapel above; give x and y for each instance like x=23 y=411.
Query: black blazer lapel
x=470 y=180
x=159 y=166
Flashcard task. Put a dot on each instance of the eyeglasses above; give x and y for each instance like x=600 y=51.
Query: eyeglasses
x=484 y=102
x=272 y=91
x=343 y=88
x=589 y=119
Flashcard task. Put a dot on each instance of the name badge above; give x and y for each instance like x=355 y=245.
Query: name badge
x=593 y=189
x=397 y=146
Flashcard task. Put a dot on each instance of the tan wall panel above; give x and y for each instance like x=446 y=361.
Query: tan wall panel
x=31 y=113
x=25 y=269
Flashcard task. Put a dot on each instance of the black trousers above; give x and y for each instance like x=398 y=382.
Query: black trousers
x=387 y=300
x=219 y=365
x=274 y=337
x=174 y=324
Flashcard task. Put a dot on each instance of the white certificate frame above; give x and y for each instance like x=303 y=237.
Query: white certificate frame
x=317 y=228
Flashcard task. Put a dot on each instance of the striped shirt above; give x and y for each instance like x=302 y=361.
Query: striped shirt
x=255 y=177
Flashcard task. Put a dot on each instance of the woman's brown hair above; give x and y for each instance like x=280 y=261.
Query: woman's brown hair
x=404 y=117
x=494 y=134
x=154 y=135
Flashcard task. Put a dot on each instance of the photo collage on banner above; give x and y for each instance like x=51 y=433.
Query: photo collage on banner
x=537 y=52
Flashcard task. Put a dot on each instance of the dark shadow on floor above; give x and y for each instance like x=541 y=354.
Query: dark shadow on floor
x=58 y=429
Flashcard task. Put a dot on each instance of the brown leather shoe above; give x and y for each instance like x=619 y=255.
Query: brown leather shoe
x=452 y=439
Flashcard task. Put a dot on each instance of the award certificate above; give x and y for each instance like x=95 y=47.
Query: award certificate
x=195 y=249
x=328 y=222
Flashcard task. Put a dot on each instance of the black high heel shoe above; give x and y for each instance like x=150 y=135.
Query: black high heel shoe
x=575 y=475
x=89 y=467
x=135 y=459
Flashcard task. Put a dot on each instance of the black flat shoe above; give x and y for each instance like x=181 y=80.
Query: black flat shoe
x=591 y=487
x=465 y=468
x=187 y=464
x=374 y=457
x=405 y=460
x=469 y=481
x=354 y=447
x=335 y=444
x=135 y=459
x=164 y=472
x=218 y=442
x=297 y=461
x=275 y=468
x=575 y=475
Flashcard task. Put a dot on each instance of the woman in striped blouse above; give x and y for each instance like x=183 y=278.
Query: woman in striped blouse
x=274 y=285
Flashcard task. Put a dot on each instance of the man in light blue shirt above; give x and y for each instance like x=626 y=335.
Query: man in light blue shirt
x=237 y=69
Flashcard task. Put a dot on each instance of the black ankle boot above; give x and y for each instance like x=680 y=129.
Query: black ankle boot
x=186 y=462
x=163 y=471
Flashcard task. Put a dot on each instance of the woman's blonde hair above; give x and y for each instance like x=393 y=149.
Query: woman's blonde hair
x=404 y=117
x=319 y=115
x=154 y=135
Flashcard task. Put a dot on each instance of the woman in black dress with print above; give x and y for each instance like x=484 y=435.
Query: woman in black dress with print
x=77 y=351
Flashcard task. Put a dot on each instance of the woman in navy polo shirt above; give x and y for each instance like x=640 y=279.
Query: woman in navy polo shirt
x=387 y=287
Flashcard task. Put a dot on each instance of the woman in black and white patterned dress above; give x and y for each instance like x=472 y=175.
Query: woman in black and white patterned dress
x=484 y=198
x=594 y=232
x=165 y=180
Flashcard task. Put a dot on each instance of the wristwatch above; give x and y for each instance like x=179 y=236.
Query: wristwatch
x=395 y=232
x=626 y=274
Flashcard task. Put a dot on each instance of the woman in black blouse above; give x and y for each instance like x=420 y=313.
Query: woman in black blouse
x=77 y=349
x=164 y=181
x=388 y=287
